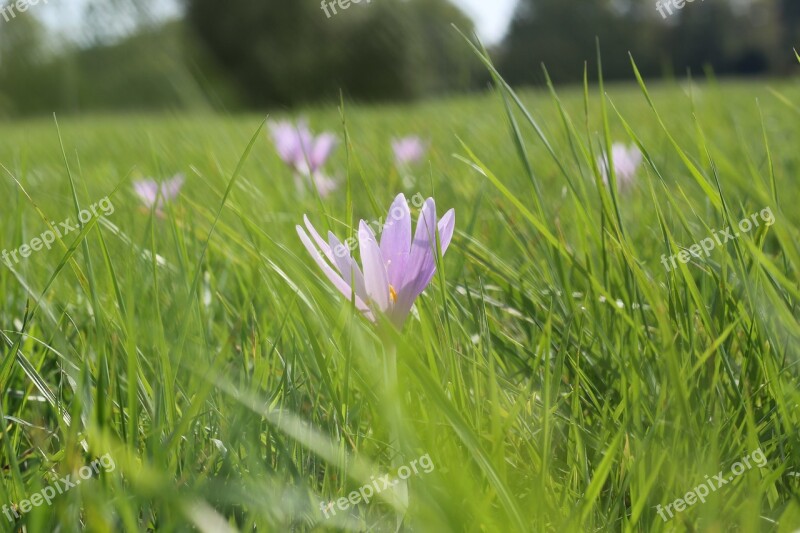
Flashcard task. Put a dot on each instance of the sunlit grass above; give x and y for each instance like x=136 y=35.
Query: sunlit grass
x=556 y=374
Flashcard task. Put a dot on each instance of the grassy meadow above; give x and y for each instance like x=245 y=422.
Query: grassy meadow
x=555 y=374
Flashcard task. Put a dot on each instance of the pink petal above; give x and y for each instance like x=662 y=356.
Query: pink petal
x=337 y=281
x=447 y=226
x=172 y=187
x=286 y=140
x=396 y=240
x=324 y=184
x=319 y=240
x=323 y=146
x=421 y=261
x=408 y=149
x=347 y=266
x=146 y=190
x=375 y=278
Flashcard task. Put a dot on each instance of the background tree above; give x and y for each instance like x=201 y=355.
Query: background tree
x=750 y=37
x=291 y=52
x=277 y=53
x=562 y=35
x=23 y=48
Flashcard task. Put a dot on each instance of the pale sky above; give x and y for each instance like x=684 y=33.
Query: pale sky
x=491 y=16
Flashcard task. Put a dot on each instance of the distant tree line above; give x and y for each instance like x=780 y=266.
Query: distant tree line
x=246 y=54
x=289 y=52
x=742 y=37
x=237 y=54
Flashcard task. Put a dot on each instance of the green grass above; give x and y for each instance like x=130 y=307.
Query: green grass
x=234 y=388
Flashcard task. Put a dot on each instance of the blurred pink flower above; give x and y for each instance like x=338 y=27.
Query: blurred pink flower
x=324 y=184
x=396 y=271
x=626 y=162
x=299 y=148
x=151 y=193
x=303 y=152
x=408 y=150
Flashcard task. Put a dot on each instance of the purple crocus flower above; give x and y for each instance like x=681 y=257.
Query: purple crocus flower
x=396 y=271
x=626 y=161
x=303 y=152
x=408 y=150
x=148 y=190
x=323 y=183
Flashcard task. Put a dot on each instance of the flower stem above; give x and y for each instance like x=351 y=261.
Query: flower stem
x=395 y=410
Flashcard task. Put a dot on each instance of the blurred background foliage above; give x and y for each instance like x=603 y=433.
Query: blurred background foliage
x=246 y=54
x=739 y=37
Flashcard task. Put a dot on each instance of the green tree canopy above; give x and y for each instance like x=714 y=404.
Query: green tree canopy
x=291 y=52
x=733 y=38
